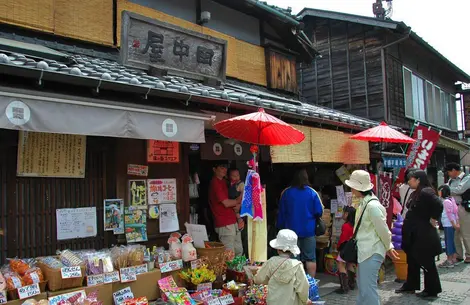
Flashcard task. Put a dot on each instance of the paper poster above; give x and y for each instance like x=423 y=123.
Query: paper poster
x=348 y=198
x=114 y=215
x=161 y=191
x=137 y=170
x=168 y=218
x=342 y=173
x=137 y=192
x=154 y=212
x=334 y=206
x=163 y=152
x=135 y=222
x=76 y=223
x=198 y=233
x=340 y=195
x=51 y=155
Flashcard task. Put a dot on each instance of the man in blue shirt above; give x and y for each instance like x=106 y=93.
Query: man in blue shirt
x=299 y=207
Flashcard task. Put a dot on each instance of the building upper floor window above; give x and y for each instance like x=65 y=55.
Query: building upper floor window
x=428 y=103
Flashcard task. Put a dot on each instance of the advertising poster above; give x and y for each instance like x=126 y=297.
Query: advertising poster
x=114 y=215
x=163 y=152
x=168 y=218
x=135 y=222
x=137 y=192
x=161 y=191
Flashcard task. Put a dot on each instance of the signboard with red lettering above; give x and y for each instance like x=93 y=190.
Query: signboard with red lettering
x=419 y=153
x=386 y=196
x=163 y=152
x=161 y=191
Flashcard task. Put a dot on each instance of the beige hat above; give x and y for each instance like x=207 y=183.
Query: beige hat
x=360 y=181
x=286 y=241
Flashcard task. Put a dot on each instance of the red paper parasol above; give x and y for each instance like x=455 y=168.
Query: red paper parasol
x=259 y=128
x=382 y=133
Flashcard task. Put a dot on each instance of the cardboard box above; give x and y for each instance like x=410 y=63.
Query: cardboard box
x=105 y=292
x=42 y=296
x=145 y=286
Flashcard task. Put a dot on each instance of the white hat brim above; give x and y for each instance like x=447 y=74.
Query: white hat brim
x=358 y=186
x=293 y=249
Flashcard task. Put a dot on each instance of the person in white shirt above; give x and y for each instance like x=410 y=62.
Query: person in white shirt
x=374 y=239
x=405 y=192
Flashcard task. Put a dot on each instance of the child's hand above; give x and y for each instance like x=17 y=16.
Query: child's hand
x=456 y=226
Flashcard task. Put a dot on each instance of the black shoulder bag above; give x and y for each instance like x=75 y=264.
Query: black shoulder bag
x=348 y=250
x=466 y=198
x=320 y=226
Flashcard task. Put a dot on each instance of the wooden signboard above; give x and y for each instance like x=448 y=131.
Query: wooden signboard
x=147 y=42
x=51 y=155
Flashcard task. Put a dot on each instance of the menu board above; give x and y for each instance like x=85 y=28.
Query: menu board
x=51 y=155
x=163 y=152
x=161 y=191
x=76 y=223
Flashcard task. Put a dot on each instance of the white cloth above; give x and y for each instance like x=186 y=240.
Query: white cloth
x=405 y=193
x=286 y=280
x=373 y=236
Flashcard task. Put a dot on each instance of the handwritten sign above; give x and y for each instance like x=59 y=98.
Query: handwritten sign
x=128 y=275
x=29 y=291
x=93 y=280
x=171 y=266
x=3 y=296
x=226 y=299
x=214 y=301
x=112 y=277
x=137 y=170
x=71 y=272
x=197 y=263
x=51 y=155
x=141 y=269
x=59 y=298
x=161 y=191
x=204 y=286
x=122 y=295
x=76 y=223
x=163 y=152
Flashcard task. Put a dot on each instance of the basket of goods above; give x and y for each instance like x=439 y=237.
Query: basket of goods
x=53 y=267
x=214 y=256
x=20 y=273
x=197 y=276
x=235 y=289
x=235 y=271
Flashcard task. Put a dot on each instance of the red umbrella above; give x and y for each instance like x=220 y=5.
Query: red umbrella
x=382 y=133
x=259 y=128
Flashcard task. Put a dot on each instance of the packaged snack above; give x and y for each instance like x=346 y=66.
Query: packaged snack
x=176 y=235
x=136 y=301
x=175 y=248
x=51 y=262
x=188 y=251
x=69 y=259
x=19 y=266
x=136 y=255
x=3 y=284
x=119 y=255
x=33 y=275
x=97 y=262
x=13 y=280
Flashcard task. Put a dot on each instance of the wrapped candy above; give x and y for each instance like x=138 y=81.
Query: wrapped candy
x=51 y=262
x=188 y=251
x=33 y=275
x=175 y=247
x=256 y=294
x=313 y=294
x=198 y=276
x=237 y=263
x=69 y=259
x=19 y=266
x=136 y=301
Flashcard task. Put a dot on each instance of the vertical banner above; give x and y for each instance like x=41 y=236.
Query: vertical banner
x=420 y=152
x=386 y=196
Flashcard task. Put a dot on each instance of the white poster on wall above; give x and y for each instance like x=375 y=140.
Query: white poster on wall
x=76 y=223
x=168 y=218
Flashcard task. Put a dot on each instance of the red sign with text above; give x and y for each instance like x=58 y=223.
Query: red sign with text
x=419 y=153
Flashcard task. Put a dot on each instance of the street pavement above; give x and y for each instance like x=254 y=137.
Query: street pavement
x=455 y=286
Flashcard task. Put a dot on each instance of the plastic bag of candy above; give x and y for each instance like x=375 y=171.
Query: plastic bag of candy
x=313 y=293
x=19 y=266
x=13 y=280
x=33 y=275
x=136 y=301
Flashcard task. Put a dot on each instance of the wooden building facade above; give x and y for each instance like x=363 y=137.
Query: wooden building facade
x=378 y=69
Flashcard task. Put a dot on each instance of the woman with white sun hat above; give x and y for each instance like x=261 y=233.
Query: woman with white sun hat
x=374 y=239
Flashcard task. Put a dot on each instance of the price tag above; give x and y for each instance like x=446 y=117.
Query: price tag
x=196 y=264
x=226 y=299
x=71 y=272
x=171 y=266
x=141 y=269
x=214 y=301
x=29 y=291
x=128 y=275
x=112 y=277
x=204 y=286
x=3 y=296
x=122 y=295
x=93 y=280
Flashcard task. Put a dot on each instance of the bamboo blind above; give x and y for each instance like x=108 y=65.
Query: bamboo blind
x=245 y=61
x=35 y=14
x=298 y=153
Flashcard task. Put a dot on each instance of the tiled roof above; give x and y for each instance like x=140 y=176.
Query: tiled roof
x=112 y=71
